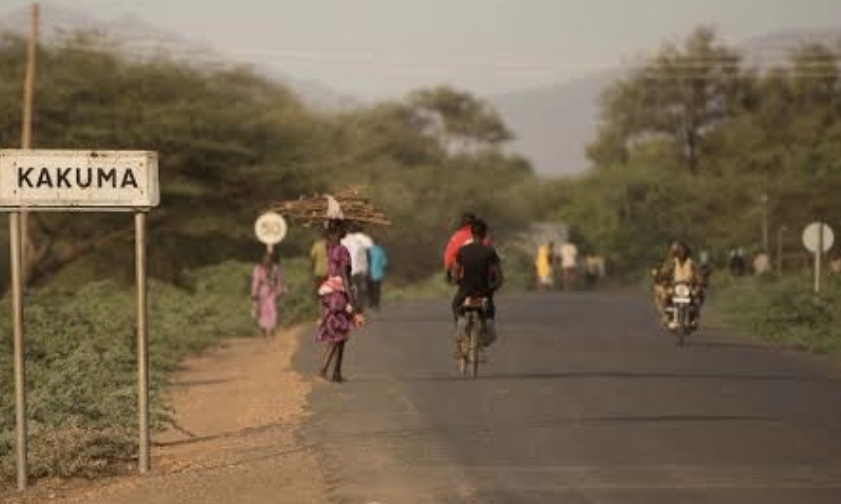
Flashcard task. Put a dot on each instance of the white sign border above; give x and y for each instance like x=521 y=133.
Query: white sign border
x=152 y=182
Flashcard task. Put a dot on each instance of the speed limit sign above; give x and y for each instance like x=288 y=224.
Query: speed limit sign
x=270 y=228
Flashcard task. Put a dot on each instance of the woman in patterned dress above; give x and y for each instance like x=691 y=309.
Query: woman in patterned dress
x=338 y=314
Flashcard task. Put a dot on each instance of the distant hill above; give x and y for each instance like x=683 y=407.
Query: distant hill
x=554 y=124
x=137 y=38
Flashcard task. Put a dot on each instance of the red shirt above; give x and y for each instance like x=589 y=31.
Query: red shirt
x=460 y=238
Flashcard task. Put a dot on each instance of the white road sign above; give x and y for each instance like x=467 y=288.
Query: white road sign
x=78 y=180
x=270 y=228
x=812 y=237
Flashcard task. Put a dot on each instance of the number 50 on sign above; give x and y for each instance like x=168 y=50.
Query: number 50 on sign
x=270 y=229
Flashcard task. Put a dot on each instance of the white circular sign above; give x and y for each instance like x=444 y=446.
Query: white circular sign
x=270 y=228
x=812 y=239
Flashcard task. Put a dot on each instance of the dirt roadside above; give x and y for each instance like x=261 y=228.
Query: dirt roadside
x=237 y=409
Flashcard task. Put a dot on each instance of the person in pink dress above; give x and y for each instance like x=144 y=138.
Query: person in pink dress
x=266 y=288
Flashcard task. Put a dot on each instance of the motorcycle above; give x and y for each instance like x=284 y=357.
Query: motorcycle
x=682 y=310
x=683 y=304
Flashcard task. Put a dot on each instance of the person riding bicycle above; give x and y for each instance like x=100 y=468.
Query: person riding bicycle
x=460 y=237
x=478 y=273
x=678 y=267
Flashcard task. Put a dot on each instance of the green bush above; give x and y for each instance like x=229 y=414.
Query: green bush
x=784 y=311
x=81 y=360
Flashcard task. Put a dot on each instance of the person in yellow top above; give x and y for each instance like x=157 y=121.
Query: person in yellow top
x=678 y=267
x=543 y=266
x=318 y=263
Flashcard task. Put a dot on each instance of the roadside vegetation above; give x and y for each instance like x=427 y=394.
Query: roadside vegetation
x=784 y=311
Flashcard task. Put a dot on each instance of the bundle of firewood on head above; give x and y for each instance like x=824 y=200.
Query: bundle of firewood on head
x=348 y=205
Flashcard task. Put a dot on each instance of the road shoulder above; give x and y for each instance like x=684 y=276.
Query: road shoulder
x=238 y=408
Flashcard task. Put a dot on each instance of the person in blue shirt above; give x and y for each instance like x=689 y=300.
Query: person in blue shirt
x=377 y=262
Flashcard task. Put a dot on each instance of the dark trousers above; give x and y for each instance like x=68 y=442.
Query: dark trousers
x=360 y=287
x=375 y=293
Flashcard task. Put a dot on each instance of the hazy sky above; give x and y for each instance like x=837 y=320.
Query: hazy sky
x=376 y=48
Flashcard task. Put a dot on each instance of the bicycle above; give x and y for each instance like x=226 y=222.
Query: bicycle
x=471 y=340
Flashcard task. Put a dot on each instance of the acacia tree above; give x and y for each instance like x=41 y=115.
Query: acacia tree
x=227 y=140
x=680 y=95
x=460 y=120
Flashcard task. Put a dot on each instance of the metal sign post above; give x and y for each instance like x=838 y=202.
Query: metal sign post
x=19 y=348
x=818 y=239
x=142 y=343
x=78 y=181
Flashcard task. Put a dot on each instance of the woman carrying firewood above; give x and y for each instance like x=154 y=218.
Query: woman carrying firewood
x=338 y=313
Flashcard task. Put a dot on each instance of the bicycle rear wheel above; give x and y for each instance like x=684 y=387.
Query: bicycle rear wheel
x=475 y=343
x=464 y=348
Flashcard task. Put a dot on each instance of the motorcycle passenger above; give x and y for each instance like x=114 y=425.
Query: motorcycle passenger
x=679 y=267
x=478 y=273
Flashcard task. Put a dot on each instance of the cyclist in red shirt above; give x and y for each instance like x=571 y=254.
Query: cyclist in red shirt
x=461 y=237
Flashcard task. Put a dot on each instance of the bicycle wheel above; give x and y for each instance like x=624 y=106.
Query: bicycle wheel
x=475 y=343
x=464 y=348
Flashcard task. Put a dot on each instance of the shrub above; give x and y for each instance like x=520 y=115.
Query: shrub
x=81 y=360
x=784 y=311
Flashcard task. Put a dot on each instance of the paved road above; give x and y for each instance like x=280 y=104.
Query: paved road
x=584 y=400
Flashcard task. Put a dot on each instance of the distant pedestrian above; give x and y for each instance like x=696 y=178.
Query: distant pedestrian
x=593 y=269
x=738 y=264
x=357 y=244
x=377 y=263
x=569 y=263
x=318 y=263
x=761 y=264
x=543 y=263
x=266 y=288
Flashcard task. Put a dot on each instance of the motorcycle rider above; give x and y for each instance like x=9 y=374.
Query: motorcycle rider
x=679 y=267
x=478 y=273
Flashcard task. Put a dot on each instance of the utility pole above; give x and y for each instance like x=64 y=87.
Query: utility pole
x=780 y=231
x=764 y=200
x=26 y=130
x=18 y=238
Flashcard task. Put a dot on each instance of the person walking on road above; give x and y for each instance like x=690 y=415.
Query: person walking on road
x=377 y=262
x=358 y=244
x=543 y=266
x=338 y=312
x=569 y=264
x=318 y=263
x=266 y=287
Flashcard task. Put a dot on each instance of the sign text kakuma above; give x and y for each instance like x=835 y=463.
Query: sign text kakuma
x=68 y=180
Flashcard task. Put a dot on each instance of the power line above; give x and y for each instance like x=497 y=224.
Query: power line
x=166 y=48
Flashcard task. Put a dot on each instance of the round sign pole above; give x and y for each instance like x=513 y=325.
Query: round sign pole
x=818 y=239
x=818 y=254
x=270 y=228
